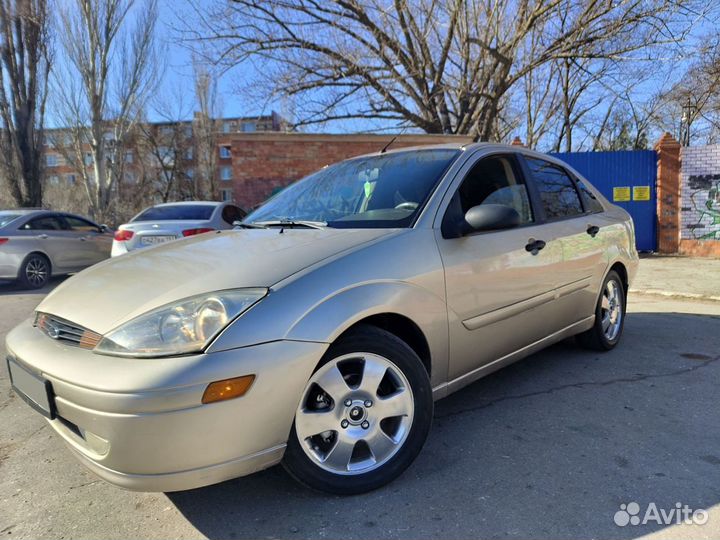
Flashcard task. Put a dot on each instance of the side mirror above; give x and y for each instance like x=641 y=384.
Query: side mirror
x=492 y=217
x=104 y=228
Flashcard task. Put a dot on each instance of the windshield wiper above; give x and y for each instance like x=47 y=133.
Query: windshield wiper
x=244 y=225
x=290 y=223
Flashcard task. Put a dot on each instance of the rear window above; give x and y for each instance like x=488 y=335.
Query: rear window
x=176 y=212
x=7 y=218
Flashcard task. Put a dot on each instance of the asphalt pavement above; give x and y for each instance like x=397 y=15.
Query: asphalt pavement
x=550 y=447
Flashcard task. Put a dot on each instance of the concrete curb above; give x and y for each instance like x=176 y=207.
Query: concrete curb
x=674 y=294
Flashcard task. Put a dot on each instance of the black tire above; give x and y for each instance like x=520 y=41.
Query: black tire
x=597 y=338
x=34 y=272
x=369 y=339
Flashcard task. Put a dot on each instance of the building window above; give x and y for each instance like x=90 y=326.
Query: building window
x=54 y=180
x=128 y=157
x=190 y=173
x=70 y=179
x=249 y=126
x=188 y=130
x=188 y=153
x=130 y=177
x=225 y=152
x=166 y=130
x=225 y=173
x=88 y=158
x=226 y=127
x=226 y=194
x=52 y=160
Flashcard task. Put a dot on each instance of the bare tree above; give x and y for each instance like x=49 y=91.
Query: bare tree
x=109 y=71
x=444 y=67
x=694 y=100
x=205 y=131
x=24 y=68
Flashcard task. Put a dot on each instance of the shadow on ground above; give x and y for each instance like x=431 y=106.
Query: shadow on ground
x=13 y=288
x=548 y=447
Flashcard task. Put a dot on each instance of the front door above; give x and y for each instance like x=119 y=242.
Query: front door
x=500 y=291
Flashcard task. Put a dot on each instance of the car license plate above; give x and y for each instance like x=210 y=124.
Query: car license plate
x=36 y=391
x=155 y=239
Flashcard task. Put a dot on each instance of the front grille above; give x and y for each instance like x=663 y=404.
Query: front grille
x=63 y=330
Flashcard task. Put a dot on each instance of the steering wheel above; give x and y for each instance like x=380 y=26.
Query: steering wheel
x=407 y=205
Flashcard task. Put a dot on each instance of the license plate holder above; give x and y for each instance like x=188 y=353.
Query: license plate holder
x=35 y=391
x=156 y=239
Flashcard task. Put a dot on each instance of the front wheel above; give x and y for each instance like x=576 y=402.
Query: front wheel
x=363 y=417
x=609 y=316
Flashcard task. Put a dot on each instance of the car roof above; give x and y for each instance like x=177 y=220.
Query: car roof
x=24 y=211
x=188 y=203
x=495 y=147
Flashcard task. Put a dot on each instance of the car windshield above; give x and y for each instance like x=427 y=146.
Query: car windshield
x=370 y=192
x=176 y=212
x=7 y=218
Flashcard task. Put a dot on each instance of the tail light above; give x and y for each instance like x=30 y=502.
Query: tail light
x=123 y=236
x=3 y=241
x=193 y=232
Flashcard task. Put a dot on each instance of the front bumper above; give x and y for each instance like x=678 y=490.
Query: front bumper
x=140 y=424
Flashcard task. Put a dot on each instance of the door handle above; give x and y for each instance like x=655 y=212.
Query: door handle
x=83 y=238
x=42 y=236
x=592 y=230
x=534 y=246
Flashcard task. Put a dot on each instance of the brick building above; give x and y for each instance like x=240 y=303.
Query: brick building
x=255 y=165
x=156 y=149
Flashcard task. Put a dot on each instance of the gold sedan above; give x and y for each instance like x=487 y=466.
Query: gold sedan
x=320 y=332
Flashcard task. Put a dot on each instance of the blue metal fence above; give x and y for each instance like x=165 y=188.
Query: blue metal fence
x=626 y=178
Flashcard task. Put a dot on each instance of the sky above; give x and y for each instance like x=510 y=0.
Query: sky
x=176 y=86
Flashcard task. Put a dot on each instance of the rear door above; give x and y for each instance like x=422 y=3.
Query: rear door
x=579 y=225
x=500 y=291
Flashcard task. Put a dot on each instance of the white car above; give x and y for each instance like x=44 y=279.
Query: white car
x=169 y=221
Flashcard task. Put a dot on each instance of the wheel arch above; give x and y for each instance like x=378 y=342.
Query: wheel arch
x=410 y=312
x=404 y=329
x=36 y=252
x=621 y=270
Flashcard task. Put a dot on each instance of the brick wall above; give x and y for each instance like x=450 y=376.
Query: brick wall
x=264 y=162
x=700 y=201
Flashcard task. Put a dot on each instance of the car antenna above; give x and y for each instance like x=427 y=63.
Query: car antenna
x=393 y=140
x=388 y=144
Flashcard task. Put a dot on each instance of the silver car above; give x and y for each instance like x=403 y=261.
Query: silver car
x=169 y=221
x=320 y=333
x=38 y=244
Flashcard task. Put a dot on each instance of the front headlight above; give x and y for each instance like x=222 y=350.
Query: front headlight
x=182 y=327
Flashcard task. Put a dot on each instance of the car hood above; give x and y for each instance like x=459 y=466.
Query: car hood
x=112 y=292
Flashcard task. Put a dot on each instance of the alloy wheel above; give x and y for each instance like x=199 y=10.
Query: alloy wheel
x=355 y=414
x=612 y=310
x=36 y=271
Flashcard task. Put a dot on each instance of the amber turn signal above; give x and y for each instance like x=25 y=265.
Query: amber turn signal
x=227 y=389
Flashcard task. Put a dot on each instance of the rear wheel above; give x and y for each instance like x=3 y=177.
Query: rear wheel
x=364 y=415
x=609 y=316
x=34 y=272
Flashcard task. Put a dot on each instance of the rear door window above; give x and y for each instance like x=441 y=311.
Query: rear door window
x=557 y=191
x=174 y=212
x=591 y=201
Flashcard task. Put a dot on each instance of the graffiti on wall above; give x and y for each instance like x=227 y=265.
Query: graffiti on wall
x=704 y=195
x=700 y=193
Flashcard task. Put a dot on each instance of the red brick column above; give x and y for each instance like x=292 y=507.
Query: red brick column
x=668 y=194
